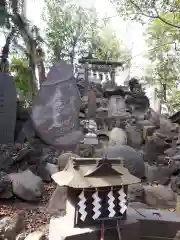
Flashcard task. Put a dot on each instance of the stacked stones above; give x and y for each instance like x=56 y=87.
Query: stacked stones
x=147 y=140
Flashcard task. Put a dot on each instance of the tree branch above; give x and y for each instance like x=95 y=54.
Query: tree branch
x=142 y=12
x=163 y=20
x=154 y=17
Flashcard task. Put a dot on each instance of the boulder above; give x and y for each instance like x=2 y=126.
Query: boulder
x=171 y=151
x=175 y=168
x=153 y=117
x=175 y=184
x=21 y=236
x=165 y=125
x=117 y=136
x=159 y=196
x=137 y=205
x=148 y=131
x=5 y=186
x=135 y=193
x=158 y=174
x=51 y=168
x=43 y=172
x=143 y=123
x=23 y=154
x=6 y=157
x=38 y=235
x=50 y=155
x=63 y=159
x=176 y=157
x=27 y=186
x=134 y=136
x=133 y=159
x=154 y=147
x=162 y=160
x=11 y=226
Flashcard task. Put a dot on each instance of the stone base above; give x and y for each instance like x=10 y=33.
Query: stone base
x=146 y=224
x=156 y=224
x=130 y=229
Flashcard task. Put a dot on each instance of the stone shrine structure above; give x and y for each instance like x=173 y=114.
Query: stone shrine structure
x=96 y=191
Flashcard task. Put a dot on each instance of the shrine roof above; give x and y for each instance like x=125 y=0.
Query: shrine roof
x=86 y=173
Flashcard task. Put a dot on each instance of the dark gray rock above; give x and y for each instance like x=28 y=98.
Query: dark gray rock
x=136 y=205
x=162 y=160
x=133 y=159
x=176 y=157
x=158 y=174
x=10 y=227
x=51 y=168
x=153 y=117
x=171 y=151
x=148 y=131
x=26 y=132
x=27 y=186
x=134 y=136
x=175 y=184
x=63 y=159
x=5 y=186
x=23 y=154
x=50 y=155
x=165 y=125
x=6 y=157
x=135 y=193
x=154 y=147
x=43 y=173
x=8 y=105
x=159 y=196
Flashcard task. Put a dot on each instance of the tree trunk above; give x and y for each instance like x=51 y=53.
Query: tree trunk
x=41 y=70
x=165 y=92
x=4 y=64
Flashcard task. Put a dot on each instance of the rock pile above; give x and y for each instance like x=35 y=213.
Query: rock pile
x=126 y=127
x=24 y=168
x=148 y=141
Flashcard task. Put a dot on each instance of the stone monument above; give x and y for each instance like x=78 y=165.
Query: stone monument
x=7 y=109
x=55 y=112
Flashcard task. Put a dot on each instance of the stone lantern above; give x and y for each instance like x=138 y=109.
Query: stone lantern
x=117 y=111
x=96 y=196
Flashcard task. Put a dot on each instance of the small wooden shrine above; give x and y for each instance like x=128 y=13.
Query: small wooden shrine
x=96 y=192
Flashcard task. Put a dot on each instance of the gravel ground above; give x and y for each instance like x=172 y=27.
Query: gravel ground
x=36 y=216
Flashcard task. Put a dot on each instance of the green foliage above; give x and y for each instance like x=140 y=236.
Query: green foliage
x=143 y=10
x=165 y=61
x=107 y=46
x=21 y=36
x=22 y=78
x=174 y=101
x=67 y=29
x=72 y=31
